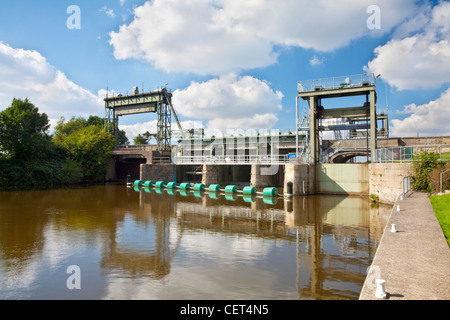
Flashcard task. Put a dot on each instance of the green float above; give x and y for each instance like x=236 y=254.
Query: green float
x=199 y=187
x=160 y=184
x=231 y=196
x=149 y=183
x=198 y=193
x=214 y=188
x=270 y=192
x=214 y=195
x=249 y=190
x=270 y=200
x=230 y=189
x=172 y=185
x=249 y=198
x=185 y=186
x=138 y=182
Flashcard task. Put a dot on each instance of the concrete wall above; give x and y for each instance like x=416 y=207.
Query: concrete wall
x=342 y=178
x=386 y=180
x=157 y=172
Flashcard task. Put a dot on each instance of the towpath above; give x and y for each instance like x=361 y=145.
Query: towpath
x=415 y=260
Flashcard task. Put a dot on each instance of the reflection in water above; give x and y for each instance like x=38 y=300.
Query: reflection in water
x=167 y=244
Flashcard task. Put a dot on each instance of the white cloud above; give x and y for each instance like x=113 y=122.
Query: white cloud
x=420 y=60
x=217 y=37
x=315 y=61
x=27 y=74
x=430 y=119
x=108 y=11
x=230 y=102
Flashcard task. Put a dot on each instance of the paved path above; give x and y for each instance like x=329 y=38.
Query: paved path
x=415 y=261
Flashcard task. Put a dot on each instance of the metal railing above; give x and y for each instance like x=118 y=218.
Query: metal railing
x=406 y=185
x=408 y=154
x=264 y=160
x=442 y=180
x=351 y=81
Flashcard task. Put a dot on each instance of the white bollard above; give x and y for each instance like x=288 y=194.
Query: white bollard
x=380 y=292
x=398 y=208
x=393 y=228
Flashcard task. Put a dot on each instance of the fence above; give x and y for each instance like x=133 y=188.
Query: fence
x=442 y=180
x=407 y=154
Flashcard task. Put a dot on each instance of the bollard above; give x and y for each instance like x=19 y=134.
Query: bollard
x=398 y=208
x=393 y=228
x=380 y=293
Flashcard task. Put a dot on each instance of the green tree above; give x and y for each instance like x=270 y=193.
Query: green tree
x=23 y=131
x=139 y=139
x=27 y=155
x=87 y=145
x=424 y=163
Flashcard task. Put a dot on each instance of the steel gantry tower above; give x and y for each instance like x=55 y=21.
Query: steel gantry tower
x=159 y=102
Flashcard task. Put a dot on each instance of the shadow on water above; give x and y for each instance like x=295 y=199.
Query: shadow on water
x=169 y=244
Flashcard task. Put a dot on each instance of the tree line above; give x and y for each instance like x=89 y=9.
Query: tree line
x=78 y=151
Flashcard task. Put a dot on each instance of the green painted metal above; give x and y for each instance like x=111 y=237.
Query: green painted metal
x=172 y=185
x=249 y=190
x=160 y=184
x=270 y=192
x=214 y=188
x=230 y=189
x=199 y=187
x=185 y=186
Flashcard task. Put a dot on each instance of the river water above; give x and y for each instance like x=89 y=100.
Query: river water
x=128 y=243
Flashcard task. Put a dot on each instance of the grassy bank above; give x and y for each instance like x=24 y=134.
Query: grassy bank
x=441 y=206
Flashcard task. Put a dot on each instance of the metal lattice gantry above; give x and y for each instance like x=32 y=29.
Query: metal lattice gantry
x=359 y=122
x=158 y=101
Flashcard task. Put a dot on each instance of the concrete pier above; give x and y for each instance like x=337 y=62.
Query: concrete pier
x=415 y=260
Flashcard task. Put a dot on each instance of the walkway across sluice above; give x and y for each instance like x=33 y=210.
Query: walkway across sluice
x=413 y=257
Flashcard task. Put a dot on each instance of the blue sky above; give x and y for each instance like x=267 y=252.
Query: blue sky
x=230 y=64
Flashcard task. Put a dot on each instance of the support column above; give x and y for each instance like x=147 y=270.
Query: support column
x=302 y=177
x=313 y=131
x=373 y=124
x=210 y=174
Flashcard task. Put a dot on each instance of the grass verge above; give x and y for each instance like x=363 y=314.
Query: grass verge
x=441 y=207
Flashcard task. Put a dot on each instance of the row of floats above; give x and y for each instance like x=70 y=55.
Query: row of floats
x=270 y=194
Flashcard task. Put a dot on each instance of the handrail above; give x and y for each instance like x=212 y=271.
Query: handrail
x=408 y=153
